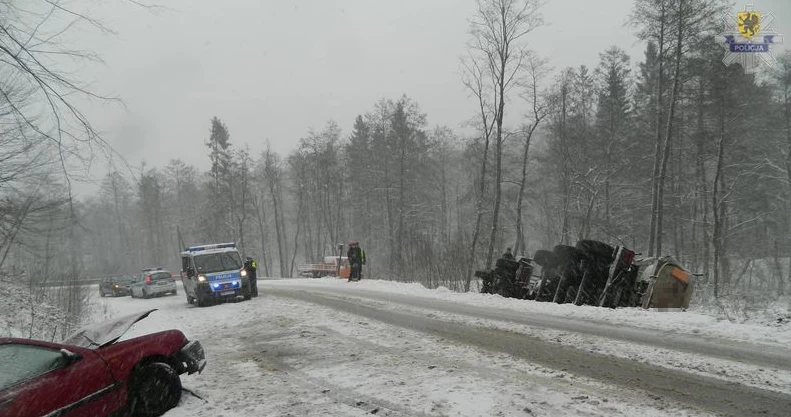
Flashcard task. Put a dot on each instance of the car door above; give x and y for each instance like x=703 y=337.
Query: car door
x=42 y=380
x=185 y=275
x=191 y=279
x=137 y=286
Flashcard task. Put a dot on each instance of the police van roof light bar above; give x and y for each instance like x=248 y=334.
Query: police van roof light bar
x=208 y=247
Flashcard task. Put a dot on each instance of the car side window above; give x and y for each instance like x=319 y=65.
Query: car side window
x=24 y=362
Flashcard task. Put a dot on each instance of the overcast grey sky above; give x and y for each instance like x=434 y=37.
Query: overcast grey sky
x=273 y=69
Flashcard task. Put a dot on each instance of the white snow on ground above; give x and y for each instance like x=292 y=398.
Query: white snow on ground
x=681 y=322
x=277 y=356
x=761 y=377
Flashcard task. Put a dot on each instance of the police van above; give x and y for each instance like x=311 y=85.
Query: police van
x=212 y=272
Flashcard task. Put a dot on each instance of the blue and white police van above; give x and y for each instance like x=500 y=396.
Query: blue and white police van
x=211 y=272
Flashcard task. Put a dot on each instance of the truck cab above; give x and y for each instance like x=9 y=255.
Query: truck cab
x=213 y=272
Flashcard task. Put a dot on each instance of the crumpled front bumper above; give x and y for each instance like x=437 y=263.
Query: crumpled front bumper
x=192 y=358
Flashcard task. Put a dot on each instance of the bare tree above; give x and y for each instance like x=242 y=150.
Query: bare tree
x=781 y=76
x=497 y=52
x=536 y=70
x=272 y=173
x=654 y=17
x=474 y=80
x=30 y=39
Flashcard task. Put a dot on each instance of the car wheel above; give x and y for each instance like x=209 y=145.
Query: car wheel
x=201 y=301
x=154 y=389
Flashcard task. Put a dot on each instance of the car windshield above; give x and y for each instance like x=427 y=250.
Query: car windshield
x=218 y=262
x=120 y=280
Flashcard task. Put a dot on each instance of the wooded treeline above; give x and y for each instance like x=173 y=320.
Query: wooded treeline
x=670 y=152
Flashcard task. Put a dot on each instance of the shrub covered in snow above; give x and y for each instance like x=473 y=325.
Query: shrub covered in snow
x=39 y=312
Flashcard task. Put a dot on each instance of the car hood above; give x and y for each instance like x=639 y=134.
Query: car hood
x=106 y=333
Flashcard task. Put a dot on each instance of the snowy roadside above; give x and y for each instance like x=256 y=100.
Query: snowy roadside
x=680 y=322
x=36 y=312
x=276 y=356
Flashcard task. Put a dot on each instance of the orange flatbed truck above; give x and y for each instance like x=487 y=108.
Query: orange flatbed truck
x=327 y=268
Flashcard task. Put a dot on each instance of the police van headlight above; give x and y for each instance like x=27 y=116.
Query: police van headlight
x=201 y=278
x=243 y=272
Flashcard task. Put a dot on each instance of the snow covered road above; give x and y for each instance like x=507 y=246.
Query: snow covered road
x=327 y=347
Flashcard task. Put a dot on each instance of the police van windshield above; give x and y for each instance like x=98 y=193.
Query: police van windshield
x=218 y=262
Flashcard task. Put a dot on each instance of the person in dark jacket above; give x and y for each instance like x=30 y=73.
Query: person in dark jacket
x=251 y=266
x=356 y=257
x=508 y=254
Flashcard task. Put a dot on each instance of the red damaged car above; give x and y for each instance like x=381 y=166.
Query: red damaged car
x=91 y=374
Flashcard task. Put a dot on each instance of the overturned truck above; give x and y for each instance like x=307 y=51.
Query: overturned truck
x=592 y=273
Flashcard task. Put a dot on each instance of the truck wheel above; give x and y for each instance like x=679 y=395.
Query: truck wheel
x=155 y=388
x=545 y=258
x=599 y=251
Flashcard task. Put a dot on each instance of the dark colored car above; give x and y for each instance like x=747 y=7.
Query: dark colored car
x=92 y=374
x=115 y=286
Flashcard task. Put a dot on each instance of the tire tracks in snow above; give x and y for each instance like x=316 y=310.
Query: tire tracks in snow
x=267 y=351
x=368 y=404
x=512 y=371
x=722 y=397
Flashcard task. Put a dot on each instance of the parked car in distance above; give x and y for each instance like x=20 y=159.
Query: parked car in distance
x=115 y=286
x=153 y=282
x=93 y=374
